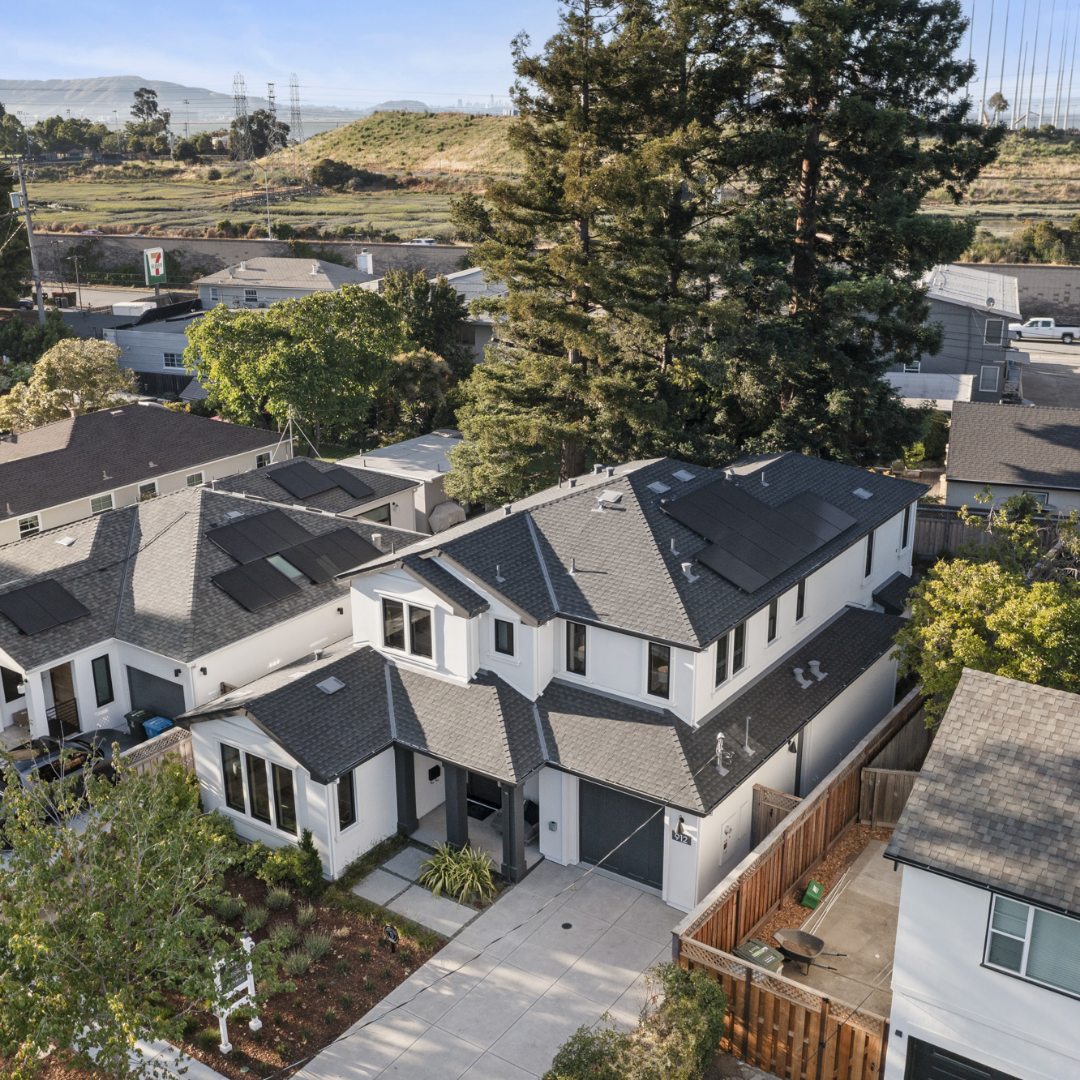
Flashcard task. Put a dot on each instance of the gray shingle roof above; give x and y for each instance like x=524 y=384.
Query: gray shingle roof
x=626 y=574
x=466 y=601
x=271 y=273
x=489 y=727
x=1007 y=444
x=995 y=803
x=159 y=595
x=99 y=452
x=261 y=484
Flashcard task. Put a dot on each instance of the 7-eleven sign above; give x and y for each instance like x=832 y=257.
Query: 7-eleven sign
x=154 y=265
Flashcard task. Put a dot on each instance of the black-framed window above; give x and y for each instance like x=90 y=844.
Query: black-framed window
x=233 y=774
x=258 y=788
x=773 y=609
x=906 y=531
x=800 y=600
x=103 y=687
x=419 y=631
x=738 y=649
x=869 y=554
x=393 y=612
x=284 y=798
x=381 y=514
x=504 y=637
x=575 y=648
x=659 y=670
x=262 y=460
x=722 y=647
x=346 y=800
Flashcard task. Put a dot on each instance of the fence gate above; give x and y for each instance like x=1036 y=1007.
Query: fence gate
x=883 y=795
x=769 y=809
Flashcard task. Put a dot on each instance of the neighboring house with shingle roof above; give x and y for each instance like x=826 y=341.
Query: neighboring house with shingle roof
x=70 y=469
x=987 y=963
x=257 y=283
x=153 y=606
x=478 y=330
x=1014 y=451
x=637 y=650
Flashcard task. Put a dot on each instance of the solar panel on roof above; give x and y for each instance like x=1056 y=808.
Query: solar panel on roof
x=349 y=482
x=734 y=570
x=326 y=556
x=255 y=585
x=256 y=537
x=41 y=606
x=302 y=479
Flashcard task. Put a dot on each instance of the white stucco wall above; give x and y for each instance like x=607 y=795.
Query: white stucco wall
x=558 y=793
x=942 y=994
x=428 y=794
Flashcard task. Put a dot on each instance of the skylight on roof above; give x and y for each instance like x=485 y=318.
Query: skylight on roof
x=862 y=493
x=683 y=475
x=66 y=541
x=658 y=487
x=331 y=685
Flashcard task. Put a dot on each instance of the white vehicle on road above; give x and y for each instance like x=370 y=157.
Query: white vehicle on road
x=1043 y=330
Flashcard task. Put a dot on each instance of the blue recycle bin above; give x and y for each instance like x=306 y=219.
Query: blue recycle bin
x=156 y=726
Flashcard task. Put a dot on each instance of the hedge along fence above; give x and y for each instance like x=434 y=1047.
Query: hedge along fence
x=785 y=858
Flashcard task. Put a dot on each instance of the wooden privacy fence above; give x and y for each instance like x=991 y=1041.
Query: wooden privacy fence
x=149 y=755
x=942 y=530
x=770 y=807
x=884 y=795
x=789 y=1030
x=757 y=886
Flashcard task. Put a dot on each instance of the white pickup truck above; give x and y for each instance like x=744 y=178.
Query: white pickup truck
x=1043 y=330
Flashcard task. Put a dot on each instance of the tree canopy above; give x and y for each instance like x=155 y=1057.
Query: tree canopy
x=75 y=376
x=319 y=359
x=14 y=249
x=1010 y=606
x=24 y=343
x=107 y=936
x=716 y=244
x=431 y=315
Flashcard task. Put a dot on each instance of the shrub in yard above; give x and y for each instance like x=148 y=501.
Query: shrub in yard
x=346 y=1001
x=464 y=874
x=284 y=935
x=369 y=985
x=317 y=945
x=209 y=1038
x=296 y=963
x=678 y=1040
x=255 y=917
x=306 y=916
x=277 y=898
x=342 y=966
x=364 y=953
x=228 y=907
x=329 y=1016
x=299 y=865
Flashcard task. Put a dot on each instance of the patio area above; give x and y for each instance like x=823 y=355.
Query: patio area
x=13 y=735
x=483 y=834
x=857 y=917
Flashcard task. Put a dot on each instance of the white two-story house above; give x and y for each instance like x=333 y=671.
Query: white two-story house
x=610 y=665
x=170 y=602
x=986 y=983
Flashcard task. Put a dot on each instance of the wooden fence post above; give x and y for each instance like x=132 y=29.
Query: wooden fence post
x=746 y=1011
x=823 y=1024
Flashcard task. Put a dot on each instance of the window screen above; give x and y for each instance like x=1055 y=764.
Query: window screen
x=575 y=648
x=194 y=479
x=659 y=670
x=393 y=624
x=504 y=637
x=103 y=687
x=284 y=798
x=262 y=460
x=233 y=777
x=346 y=800
x=258 y=788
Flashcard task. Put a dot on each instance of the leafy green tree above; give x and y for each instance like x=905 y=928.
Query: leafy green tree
x=431 y=315
x=331 y=174
x=261 y=126
x=1010 y=606
x=185 y=151
x=12 y=135
x=415 y=388
x=75 y=376
x=998 y=104
x=106 y=934
x=320 y=359
x=58 y=134
x=145 y=109
x=24 y=343
x=14 y=250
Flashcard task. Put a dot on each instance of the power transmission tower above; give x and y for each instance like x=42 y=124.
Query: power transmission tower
x=276 y=141
x=296 y=123
x=242 y=150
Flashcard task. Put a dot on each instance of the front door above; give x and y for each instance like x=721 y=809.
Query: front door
x=64 y=714
x=622 y=833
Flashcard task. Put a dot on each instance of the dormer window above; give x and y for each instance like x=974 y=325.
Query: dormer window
x=659 y=684
x=504 y=637
x=419 y=624
x=575 y=648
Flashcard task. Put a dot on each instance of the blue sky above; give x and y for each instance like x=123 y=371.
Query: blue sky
x=344 y=53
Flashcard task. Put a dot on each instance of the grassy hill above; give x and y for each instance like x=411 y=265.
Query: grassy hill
x=449 y=143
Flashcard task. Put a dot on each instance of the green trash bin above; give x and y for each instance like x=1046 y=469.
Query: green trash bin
x=812 y=896
x=758 y=953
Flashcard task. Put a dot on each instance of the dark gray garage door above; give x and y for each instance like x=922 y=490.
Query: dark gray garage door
x=156 y=695
x=609 y=817
x=929 y=1062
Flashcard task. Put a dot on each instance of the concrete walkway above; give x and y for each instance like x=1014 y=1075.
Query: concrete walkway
x=554 y=952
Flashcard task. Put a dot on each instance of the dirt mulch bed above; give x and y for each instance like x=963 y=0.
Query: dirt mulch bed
x=828 y=872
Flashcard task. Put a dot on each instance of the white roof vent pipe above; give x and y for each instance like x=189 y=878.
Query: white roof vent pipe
x=815 y=670
x=802 y=680
x=243 y=266
x=376 y=539
x=315 y=268
x=688 y=570
x=508 y=509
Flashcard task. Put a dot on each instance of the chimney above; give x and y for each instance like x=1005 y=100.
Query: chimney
x=364 y=263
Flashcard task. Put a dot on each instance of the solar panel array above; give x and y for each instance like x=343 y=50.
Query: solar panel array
x=753 y=543
x=326 y=556
x=255 y=585
x=302 y=480
x=41 y=606
x=256 y=537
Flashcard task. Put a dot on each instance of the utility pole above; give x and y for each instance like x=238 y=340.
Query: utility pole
x=30 y=242
x=186 y=103
x=78 y=284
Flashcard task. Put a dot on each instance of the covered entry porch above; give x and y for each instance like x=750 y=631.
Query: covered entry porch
x=478 y=811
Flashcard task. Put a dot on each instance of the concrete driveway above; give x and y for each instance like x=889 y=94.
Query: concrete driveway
x=1053 y=375
x=554 y=952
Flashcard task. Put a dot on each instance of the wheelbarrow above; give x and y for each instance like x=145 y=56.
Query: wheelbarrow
x=803 y=948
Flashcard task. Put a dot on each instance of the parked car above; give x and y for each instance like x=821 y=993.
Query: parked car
x=91 y=232
x=422 y=241
x=1044 y=330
